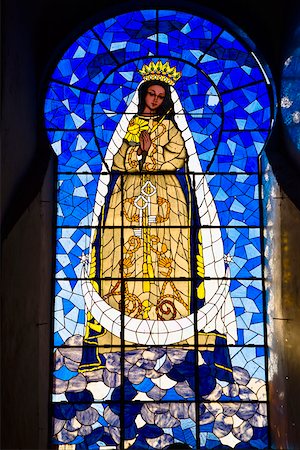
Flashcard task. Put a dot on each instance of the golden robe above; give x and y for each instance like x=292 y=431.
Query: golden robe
x=141 y=251
x=147 y=256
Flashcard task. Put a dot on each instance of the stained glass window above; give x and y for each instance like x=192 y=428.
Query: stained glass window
x=158 y=119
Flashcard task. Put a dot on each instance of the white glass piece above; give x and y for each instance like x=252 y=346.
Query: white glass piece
x=109 y=113
x=164 y=382
x=160 y=362
x=70 y=326
x=64 y=334
x=83 y=242
x=85 y=178
x=258 y=420
x=63 y=260
x=57 y=147
x=86 y=221
x=99 y=390
x=67 y=447
x=78 y=121
x=142 y=397
x=81 y=143
x=61 y=274
x=58 y=326
x=73 y=314
x=80 y=192
x=80 y=52
x=73 y=79
x=67 y=244
x=66 y=103
x=237 y=421
x=84 y=168
x=230 y=440
x=117 y=45
x=56 y=398
x=58 y=303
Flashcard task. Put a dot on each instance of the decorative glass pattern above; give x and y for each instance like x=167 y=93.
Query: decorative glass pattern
x=159 y=329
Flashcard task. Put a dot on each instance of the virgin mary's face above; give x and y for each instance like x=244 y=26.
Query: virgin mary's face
x=154 y=98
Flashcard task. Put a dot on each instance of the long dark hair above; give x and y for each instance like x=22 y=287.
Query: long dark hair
x=166 y=105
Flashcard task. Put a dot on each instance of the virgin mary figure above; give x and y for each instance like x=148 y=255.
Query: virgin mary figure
x=156 y=263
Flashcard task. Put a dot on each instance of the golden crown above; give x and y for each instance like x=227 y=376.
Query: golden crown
x=160 y=71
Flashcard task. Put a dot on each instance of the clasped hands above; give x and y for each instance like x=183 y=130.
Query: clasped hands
x=145 y=143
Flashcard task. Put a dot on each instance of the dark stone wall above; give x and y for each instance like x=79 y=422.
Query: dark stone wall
x=34 y=34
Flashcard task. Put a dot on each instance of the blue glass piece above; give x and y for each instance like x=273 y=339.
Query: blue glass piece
x=57 y=340
x=150 y=431
x=243 y=255
x=76 y=150
x=84 y=396
x=184 y=35
x=130 y=432
x=241 y=206
x=238 y=106
x=81 y=317
x=239 y=150
x=172 y=395
x=68 y=306
x=250 y=337
x=247 y=300
x=260 y=438
x=260 y=351
x=211 y=442
x=128 y=36
x=68 y=108
x=85 y=63
x=145 y=386
x=98 y=436
x=76 y=197
x=63 y=411
x=64 y=373
x=115 y=93
x=130 y=392
x=178 y=434
x=230 y=63
x=190 y=437
x=71 y=245
x=258 y=318
x=131 y=411
x=245 y=320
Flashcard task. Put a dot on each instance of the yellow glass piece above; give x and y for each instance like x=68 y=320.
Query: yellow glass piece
x=148 y=271
x=201 y=291
x=207 y=340
x=146 y=309
x=160 y=71
x=223 y=367
x=93 y=263
x=135 y=127
x=95 y=285
x=99 y=331
x=200 y=263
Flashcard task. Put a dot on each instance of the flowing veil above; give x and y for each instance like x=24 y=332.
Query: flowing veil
x=217 y=314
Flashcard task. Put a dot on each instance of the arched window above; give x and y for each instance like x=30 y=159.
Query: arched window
x=158 y=119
